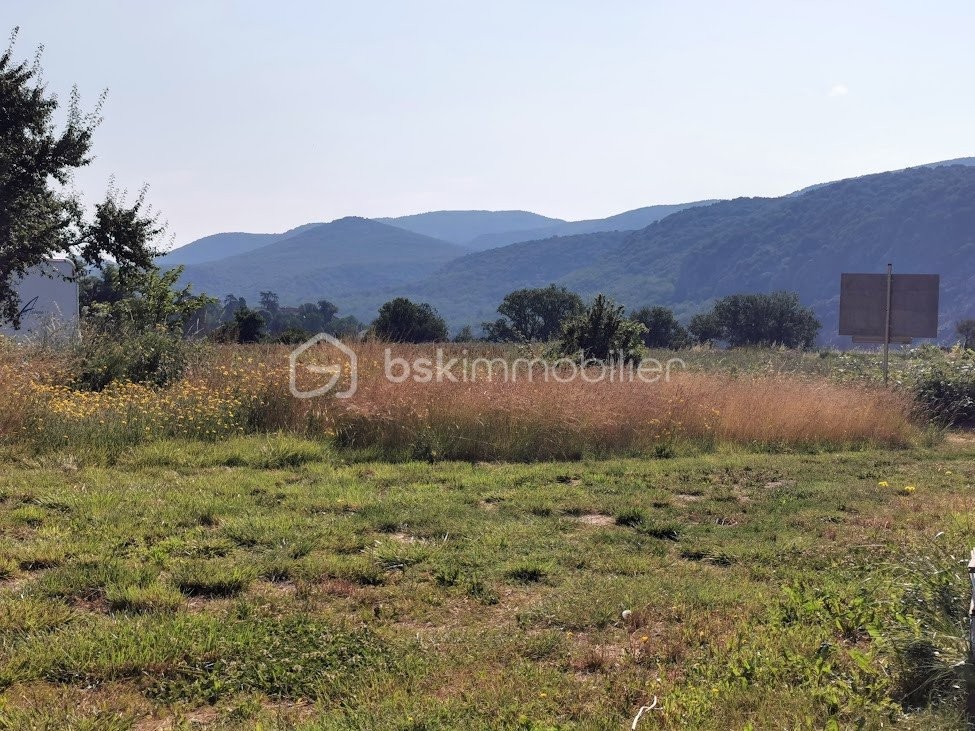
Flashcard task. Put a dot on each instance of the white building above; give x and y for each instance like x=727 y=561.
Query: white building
x=48 y=303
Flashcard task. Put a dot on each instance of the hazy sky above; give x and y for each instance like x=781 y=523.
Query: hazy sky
x=259 y=116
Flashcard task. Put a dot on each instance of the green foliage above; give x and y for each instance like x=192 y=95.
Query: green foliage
x=134 y=327
x=602 y=333
x=534 y=315
x=966 y=330
x=403 y=321
x=663 y=329
x=249 y=326
x=234 y=320
x=292 y=336
x=120 y=302
x=152 y=357
x=465 y=335
x=39 y=216
x=759 y=319
x=945 y=387
x=704 y=327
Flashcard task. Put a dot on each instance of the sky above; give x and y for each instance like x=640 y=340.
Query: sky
x=261 y=116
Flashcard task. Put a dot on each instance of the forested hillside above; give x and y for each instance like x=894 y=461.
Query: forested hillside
x=921 y=220
x=328 y=261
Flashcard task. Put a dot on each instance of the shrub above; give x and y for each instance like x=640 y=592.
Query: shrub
x=403 y=321
x=153 y=357
x=134 y=332
x=966 y=330
x=945 y=387
x=603 y=333
x=292 y=336
x=663 y=329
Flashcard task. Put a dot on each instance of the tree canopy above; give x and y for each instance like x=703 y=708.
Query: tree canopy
x=966 y=329
x=403 y=321
x=758 y=319
x=40 y=216
x=534 y=315
x=663 y=329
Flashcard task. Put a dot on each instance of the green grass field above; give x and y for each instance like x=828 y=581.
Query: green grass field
x=266 y=582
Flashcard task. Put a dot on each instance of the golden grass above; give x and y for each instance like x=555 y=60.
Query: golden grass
x=236 y=389
x=559 y=421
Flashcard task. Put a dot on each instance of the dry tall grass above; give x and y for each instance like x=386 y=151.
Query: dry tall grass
x=539 y=420
x=245 y=390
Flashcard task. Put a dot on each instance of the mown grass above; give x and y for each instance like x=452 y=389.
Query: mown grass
x=235 y=585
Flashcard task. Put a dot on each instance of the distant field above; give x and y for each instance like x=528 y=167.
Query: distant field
x=768 y=540
x=768 y=400
x=264 y=582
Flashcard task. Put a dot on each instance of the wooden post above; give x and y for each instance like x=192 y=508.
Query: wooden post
x=890 y=279
x=971 y=607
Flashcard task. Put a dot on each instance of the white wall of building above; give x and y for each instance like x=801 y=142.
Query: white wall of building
x=50 y=304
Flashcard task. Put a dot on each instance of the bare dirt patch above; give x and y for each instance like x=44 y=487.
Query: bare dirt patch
x=404 y=538
x=600 y=519
x=962 y=438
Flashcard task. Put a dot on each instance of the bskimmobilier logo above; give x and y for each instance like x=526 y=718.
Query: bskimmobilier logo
x=325 y=365
x=324 y=376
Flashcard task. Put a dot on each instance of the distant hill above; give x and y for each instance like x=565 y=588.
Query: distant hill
x=469 y=289
x=626 y=221
x=920 y=219
x=217 y=246
x=464 y=227
x=474 y=230
x=331 y=261
x=967 y=161
x=220 y=246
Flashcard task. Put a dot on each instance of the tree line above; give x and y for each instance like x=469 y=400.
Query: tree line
x=554 y=313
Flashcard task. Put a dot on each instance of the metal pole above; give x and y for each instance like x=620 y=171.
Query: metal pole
x=890 y=278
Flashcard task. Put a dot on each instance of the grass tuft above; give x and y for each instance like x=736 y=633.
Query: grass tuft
x=214 y=578
x=153 y=597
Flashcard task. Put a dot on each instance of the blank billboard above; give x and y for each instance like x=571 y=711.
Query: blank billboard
x=913 y=305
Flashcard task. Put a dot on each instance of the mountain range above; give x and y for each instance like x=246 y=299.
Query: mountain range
x=683 y=256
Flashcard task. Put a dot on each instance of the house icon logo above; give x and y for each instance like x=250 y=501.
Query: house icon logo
x=323 y=377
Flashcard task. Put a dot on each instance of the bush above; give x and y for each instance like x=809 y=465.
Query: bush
x=134 y=328
x=155 y=357
x=602 y=333
x=292 y=336
x=403 y=321
x=945 y=387
x=663 y=329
